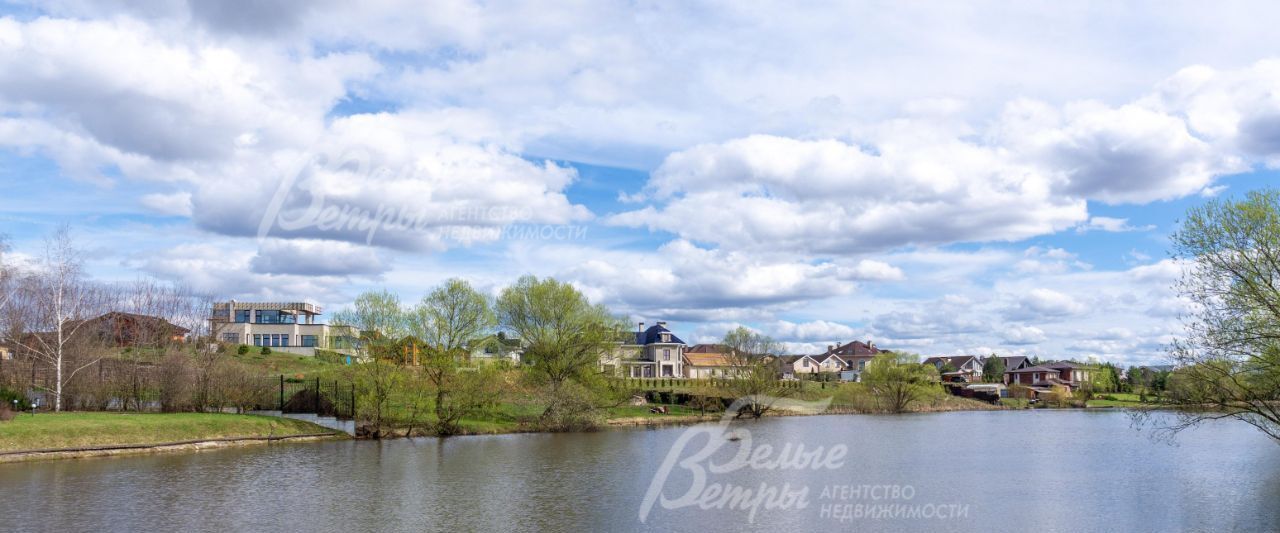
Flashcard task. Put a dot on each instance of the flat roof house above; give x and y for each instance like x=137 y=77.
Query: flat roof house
x=286 y=327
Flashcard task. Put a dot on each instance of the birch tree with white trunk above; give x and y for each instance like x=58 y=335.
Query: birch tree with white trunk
x=53 y=304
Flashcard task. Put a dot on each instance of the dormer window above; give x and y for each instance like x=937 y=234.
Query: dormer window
x=666 y=337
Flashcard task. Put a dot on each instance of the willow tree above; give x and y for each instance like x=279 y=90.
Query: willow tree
x=564 y=337
x=1228 y=361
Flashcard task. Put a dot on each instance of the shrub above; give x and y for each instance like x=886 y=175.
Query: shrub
x=175 y=383
x=242 y=350
x=7 y=396
x=266 y=350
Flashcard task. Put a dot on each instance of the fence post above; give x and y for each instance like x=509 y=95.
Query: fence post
x=280 y=405
x=353 y=400
x=316 y=404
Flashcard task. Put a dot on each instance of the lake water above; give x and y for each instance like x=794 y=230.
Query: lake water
x=972 y=471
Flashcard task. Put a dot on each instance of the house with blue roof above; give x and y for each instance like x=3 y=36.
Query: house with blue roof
x=655 y=352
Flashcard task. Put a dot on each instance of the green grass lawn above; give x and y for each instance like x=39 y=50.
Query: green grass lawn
x=1120 y=399
x=75 y=430
x=291 y=365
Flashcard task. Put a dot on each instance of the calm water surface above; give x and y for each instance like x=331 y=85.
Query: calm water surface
x=1008 y=471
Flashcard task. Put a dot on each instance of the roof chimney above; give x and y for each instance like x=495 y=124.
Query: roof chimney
x=662 y=323
x=830 y=348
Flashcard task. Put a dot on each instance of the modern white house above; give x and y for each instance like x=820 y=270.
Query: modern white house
x=285 y=327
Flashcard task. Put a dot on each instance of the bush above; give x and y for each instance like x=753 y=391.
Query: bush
x=242 y=350
x=7 y=396
x=329 y=356
x=176 y=377
x=266 y=350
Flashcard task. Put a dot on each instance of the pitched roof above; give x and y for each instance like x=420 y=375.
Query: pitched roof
x=654 y=335
x=956 y=361
x=115 y=320
x=1014 y=361
x=707 y=359
x=856 y=349
x=1064 y=364
x=1037 y=368
x=707 y=348
x=822 y=358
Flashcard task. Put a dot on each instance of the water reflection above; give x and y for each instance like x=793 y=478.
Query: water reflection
x=1015 y=471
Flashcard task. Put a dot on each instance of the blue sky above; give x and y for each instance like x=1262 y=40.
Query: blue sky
x=968 y=177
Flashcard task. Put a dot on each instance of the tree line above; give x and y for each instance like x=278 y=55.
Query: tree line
x=65 y=330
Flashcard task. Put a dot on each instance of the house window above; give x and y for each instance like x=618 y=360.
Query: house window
x=862 y=365
x=271 y=340
x=666 y=337
x=242 y=315
x=231 y=337
x=308 y=341
x=666 y=354
x=806 y=363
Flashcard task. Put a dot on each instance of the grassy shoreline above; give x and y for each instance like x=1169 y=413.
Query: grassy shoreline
x=93 y=432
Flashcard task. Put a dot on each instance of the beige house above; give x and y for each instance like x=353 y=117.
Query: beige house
x=285 y=327
x=648 y=353
x=792 y=366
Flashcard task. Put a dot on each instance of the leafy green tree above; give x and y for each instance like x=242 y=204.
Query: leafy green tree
x=564 y=337
x=898 y=379
x=1229 y=359
x=449 y=320
x=993 y=369
x=1106 y=378
x=752 y=359
x=381 y=321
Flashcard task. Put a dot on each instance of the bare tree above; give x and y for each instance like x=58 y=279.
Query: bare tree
x=7 y=275
x=55 y=303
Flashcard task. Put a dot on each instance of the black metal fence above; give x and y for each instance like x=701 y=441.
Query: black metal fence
x=320 y=397
x=712 y=383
